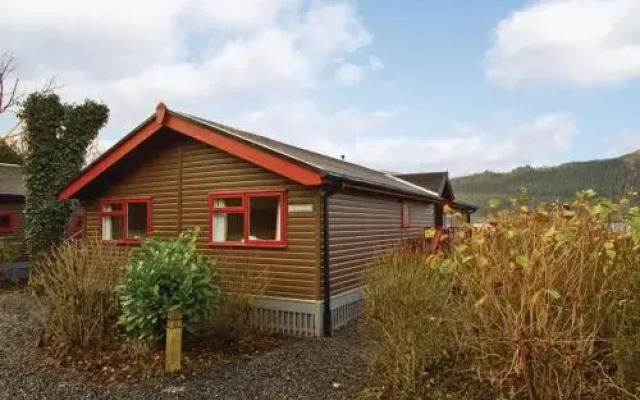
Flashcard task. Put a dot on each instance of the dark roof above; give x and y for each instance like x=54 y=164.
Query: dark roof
x=464 y=205
x=330 y=166
x=437 y=182
x=11 y=180
x=434 y=181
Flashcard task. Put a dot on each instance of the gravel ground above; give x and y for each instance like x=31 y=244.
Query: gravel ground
x=325 y=368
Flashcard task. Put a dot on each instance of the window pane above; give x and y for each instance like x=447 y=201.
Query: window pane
x=228 y=227
x=137 y=220
x=5 y=221
x=406 y=215
x=112 y=228
x=264 y=218
x=112 y=207
x=227 y=202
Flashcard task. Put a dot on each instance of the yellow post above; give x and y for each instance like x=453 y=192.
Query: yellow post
x=174 y=341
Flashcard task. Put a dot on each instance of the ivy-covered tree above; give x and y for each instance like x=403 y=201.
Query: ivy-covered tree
x=56 y=138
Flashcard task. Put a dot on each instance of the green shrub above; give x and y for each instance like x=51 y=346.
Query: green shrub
x=76 y=286
x=163 y=275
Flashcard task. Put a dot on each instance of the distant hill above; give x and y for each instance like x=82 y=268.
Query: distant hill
x=610 y=177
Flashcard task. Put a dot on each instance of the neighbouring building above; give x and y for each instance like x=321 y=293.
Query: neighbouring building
x=12 y=221
x=440 y=183
x=311 y=223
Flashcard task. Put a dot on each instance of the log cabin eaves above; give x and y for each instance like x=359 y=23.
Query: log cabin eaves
x=303 y=166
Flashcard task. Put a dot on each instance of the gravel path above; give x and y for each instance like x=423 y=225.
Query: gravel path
x=325 y=368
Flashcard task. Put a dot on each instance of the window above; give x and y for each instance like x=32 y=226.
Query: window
x=248 y=219
x=6 y=223
x=405 y=215
x=125 y=220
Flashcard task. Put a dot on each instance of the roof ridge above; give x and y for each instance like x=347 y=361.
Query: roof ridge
x=305 y=166
x=423 y=173
x=231 y=128
x=414 y=185
x=10 y=165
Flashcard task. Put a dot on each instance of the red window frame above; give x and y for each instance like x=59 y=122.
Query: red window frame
x=125 y=201
x=405 y=218
x=12 y=223
x=244 y=209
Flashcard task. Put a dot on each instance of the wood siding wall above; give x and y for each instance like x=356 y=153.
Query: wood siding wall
x=362 y=226
x=179 y=173
x=18 y=234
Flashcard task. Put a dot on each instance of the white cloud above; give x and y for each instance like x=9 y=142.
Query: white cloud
x=305 y=124
x=350 y=73
x=578 y=42
x=260 y=64
x=623 y=143
x=474 y=149
x=366 y=137
x=244 y=15
x=194 y=54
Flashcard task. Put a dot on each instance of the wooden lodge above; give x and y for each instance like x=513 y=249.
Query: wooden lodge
x=311 y=223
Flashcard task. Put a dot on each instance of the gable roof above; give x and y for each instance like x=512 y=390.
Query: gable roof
x=437 y=182
x=306 y=167
x=434 y=181
x=11 y=180
x=329 y=166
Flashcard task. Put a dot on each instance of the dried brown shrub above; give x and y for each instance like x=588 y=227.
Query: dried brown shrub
x=405 y=309
x=538 y=303
x=76 y=286
x=242 y=284
x=546 y=298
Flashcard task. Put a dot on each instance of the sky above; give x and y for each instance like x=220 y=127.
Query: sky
x=404 y=86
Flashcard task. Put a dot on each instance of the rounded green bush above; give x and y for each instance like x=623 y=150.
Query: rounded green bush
x=163 y=275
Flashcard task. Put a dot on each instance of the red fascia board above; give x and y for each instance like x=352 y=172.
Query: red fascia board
x=109 y=159
x=208 y=136
x=245 y=151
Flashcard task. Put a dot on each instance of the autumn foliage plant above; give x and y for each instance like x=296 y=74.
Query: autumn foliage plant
x=537 y=303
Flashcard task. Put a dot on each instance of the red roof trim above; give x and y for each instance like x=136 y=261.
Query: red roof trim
x=245 y=151
x=111 y=157
x=161 y=111
x=163 y=117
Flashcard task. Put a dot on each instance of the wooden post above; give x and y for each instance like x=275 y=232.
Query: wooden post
x=174 y=341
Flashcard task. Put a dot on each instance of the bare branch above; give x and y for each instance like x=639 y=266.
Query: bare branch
x=50 y=85
x=14 y=137
x=12 y=97
x=10 y=93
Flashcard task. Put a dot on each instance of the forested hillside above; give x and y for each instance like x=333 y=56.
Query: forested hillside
x=611 y=177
